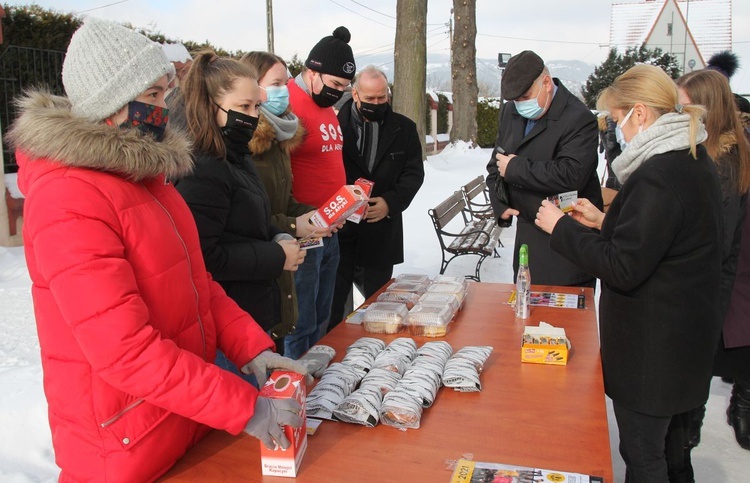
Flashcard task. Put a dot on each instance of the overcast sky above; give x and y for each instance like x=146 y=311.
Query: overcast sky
x=577 y=29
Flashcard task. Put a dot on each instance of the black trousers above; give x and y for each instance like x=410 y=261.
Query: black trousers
x=368 y=280
x=642 y=445
x=677 y=448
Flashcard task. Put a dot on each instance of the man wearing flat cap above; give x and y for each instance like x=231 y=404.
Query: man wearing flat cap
x=549 y=146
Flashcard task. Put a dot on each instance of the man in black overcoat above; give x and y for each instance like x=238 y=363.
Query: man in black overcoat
x=382 y=146
x=549 y=138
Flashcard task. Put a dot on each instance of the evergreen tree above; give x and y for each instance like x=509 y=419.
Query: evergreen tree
x=616 y=64
x=37 y=27
x=295 y=65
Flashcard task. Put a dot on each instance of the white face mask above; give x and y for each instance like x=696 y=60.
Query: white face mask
x=618 y=130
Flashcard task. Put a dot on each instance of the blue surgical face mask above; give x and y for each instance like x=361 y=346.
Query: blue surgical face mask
x=278 y=99
x=530 y=108
x=618 y=130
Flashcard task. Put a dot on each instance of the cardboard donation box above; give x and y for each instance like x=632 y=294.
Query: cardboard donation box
x=366 y=186
x=280 y=462
x=340 y=206
x=545 y=345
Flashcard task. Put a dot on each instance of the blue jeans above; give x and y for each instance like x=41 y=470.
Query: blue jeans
x=222 y=361
x=314 y=280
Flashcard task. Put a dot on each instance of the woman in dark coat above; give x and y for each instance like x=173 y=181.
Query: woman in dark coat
x=243 y=251
x=279 y=132
x=727 y=146
x=711 y=90
x=659 y=259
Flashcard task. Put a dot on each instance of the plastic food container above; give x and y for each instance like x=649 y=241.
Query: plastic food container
x=430 y=320
x=385 y=317
x=412 y=287
x=451 y=278
x=408 y=298
x=413 y=277
x=456 y=289
x=440 y=299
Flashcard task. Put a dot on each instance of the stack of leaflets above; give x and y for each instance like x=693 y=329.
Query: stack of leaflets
x=478 y=472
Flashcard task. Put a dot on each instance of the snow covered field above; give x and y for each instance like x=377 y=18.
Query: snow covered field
x=25 y=445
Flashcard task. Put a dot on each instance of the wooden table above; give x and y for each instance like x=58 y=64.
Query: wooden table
x=552 y=417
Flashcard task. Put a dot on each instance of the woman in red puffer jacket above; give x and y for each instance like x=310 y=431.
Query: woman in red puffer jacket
x=127 y=316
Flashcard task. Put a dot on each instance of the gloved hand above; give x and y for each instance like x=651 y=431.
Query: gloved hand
x=267 y=361
x=269 y=417
x=317 y=359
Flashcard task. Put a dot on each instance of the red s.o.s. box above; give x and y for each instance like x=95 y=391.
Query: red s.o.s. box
x=366 y=186
x=285 y=462
x=342 y=204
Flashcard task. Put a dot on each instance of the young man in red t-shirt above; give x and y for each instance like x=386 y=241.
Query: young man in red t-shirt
x=318 y=171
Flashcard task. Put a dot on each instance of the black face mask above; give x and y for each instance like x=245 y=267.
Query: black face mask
x=373 y=112
x=239 y=128
x=327 y=96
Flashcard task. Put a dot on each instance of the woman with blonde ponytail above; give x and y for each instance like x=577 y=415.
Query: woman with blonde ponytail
x=243 y=251
x=658 y=255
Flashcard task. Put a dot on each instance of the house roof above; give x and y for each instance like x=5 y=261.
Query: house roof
x=709 y=21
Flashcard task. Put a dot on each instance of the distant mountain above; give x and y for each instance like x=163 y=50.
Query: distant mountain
x=573 y=73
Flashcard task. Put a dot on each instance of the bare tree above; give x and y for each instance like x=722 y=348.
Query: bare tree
x=410 y=69
x=464 y=72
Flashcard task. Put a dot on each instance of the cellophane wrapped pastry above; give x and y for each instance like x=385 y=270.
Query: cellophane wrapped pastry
x=360 y=407
x=338 y=381
x=463 y=368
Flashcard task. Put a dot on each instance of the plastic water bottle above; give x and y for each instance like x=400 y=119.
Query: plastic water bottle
x=523 y=284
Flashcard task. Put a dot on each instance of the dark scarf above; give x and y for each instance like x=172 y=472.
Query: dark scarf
x=368 y=134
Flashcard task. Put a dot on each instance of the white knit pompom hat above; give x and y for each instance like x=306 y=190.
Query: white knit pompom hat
x=107 y=66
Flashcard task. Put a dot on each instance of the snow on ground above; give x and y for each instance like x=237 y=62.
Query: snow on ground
x=25 y=446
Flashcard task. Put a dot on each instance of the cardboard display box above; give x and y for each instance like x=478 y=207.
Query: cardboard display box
x=340 y=206
x=545 y=345
x=366 y=186
x=280 y=462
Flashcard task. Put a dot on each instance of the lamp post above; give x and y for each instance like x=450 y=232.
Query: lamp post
x=502 y=61
x=269 y=24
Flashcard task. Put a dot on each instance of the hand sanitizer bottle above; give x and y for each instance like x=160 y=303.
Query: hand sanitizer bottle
x=523 y=284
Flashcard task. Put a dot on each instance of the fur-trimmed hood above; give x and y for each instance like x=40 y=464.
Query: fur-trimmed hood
x=727 y=142
x=46 y=129
x=265 y=137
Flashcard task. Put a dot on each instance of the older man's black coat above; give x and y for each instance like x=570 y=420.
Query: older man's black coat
x=659 y=258
x=559 y=154
x=398 y=173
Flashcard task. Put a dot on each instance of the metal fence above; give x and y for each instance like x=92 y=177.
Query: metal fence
x=22 y=68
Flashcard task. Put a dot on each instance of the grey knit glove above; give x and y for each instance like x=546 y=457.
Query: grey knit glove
x=269 y=418
x=267 y=361
x=317 y=359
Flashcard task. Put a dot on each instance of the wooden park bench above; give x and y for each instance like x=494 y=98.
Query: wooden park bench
x=477 y=237
x=477 y=199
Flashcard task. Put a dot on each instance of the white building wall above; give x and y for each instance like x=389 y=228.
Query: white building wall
x=680 y=43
